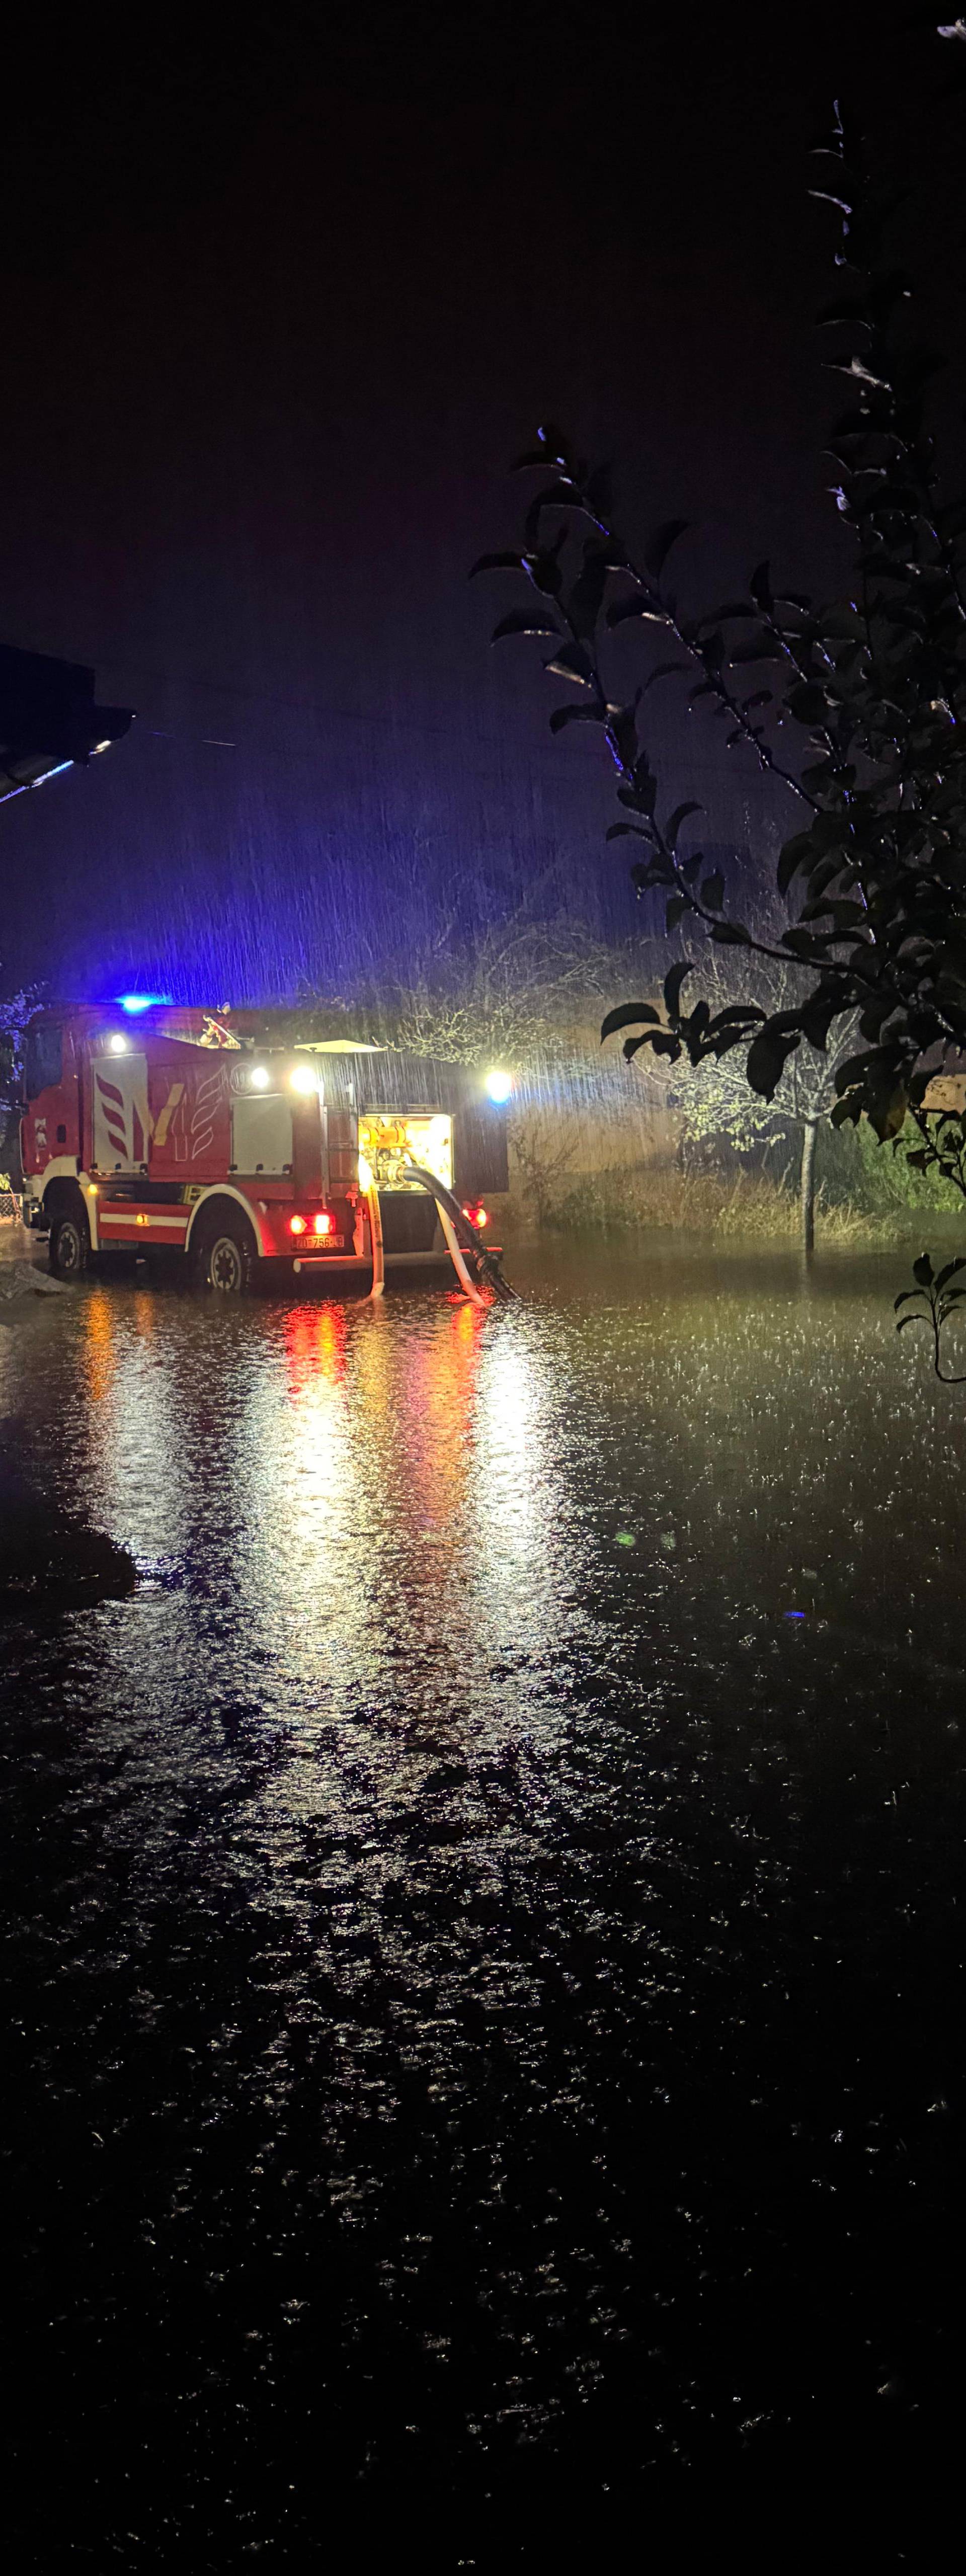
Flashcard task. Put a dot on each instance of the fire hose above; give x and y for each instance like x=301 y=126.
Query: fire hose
x=462 y=1240
x=375 y=1231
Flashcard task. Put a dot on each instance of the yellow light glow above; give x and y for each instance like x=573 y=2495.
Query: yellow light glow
x=365 y=1174
x=302 y=1077
x=117 y=1044
x=391 y=1140
x=258 y=1077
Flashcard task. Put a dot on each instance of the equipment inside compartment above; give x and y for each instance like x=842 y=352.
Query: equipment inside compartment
x=390 y=1139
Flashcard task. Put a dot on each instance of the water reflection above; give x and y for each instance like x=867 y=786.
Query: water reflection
x=435 y=1397
x=313 y=1435
x=472 y=1920
x=99 y=1328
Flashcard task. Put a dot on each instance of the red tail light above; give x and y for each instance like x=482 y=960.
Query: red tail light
x=322 y=1224
x=296 y=1225
x=477 y=1215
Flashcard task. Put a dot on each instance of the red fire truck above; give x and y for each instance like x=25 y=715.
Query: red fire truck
x=157 y=1128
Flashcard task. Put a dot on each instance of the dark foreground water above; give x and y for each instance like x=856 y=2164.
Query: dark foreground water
x=486 y=1978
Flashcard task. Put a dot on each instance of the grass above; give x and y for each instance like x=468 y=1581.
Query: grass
x=627 y=1198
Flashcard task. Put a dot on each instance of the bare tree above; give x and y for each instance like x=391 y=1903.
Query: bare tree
x=719 y=1102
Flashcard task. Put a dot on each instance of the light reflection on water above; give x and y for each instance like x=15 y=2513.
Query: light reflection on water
x=515 y=1890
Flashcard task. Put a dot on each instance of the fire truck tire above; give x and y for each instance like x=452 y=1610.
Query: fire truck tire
x=70 y=1242
x=226 y=1254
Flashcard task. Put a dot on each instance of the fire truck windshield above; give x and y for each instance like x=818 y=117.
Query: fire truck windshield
x=43 y=1058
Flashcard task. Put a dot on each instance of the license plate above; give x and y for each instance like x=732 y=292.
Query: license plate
x=322 y=1243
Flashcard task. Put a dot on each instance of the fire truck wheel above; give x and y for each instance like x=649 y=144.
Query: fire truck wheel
x=70 y=1244
x=225 y=1256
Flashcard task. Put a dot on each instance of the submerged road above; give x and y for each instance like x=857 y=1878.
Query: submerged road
x=484 y=1917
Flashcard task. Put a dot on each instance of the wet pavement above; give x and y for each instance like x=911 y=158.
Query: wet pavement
x=484 y=1915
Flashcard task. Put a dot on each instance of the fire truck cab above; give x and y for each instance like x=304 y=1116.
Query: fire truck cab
x=197 y=1134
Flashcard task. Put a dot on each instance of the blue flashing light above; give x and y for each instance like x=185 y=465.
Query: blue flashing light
x=134 y=1002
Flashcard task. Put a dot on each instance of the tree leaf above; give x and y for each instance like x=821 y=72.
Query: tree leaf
x=544 y=572
x=808 y=703
x=627 y=1015
x=587 y=594
x=922 y=1270
x=555 y=497
x=741 y=1015
x=760 y=587
x=524 y=621
x=663 y=672
x=636 y=607
x=659 y=545
x=573 y=662
x=675 y=820
x=793 y=857
x=598 y=492
x=496 y=563
x=622 y=737
x=817 y=1016
x=731 y=934
x=763 y=649
x=672 y=987
x=575 y=715
x=767 y=1057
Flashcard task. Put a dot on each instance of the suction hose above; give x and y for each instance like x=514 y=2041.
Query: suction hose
x=455 y=1225
x=375 y=1234
x=459 y=1264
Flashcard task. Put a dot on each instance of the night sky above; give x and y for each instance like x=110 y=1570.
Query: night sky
x=279 y=312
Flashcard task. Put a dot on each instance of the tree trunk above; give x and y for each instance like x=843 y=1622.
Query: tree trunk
x=806 y=1187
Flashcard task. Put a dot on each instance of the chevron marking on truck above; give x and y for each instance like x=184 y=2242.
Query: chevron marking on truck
x=159 y=1131
x=115 y=1119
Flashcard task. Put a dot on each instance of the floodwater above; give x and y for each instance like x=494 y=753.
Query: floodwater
x=485 y=1918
